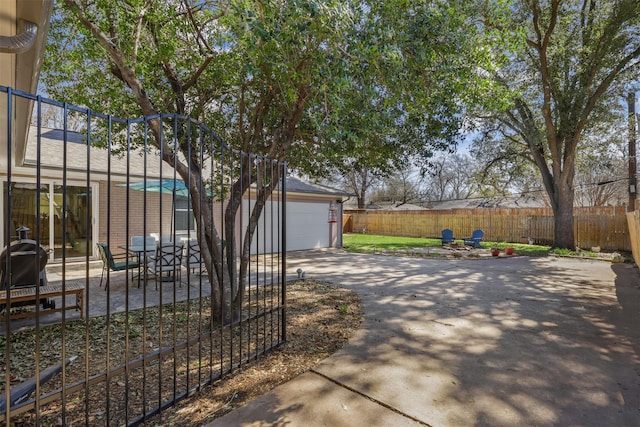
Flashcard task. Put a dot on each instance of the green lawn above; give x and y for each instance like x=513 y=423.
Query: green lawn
x=368 y=242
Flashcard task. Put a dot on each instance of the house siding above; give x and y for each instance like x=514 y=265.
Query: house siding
x=137 y=217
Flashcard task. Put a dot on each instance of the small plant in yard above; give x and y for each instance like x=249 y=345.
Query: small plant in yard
x=561 y=251
x=614 y=257
x=569 y=252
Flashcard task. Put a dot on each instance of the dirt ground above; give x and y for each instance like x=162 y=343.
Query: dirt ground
x=321 y=318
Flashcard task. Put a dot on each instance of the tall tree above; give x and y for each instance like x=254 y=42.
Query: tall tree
x=285 y=80
x=452 y=176
x=402 y=187
x=412 y=70
x=601 y=169
x=579 y=56
x=357 y=180
x=249 y=69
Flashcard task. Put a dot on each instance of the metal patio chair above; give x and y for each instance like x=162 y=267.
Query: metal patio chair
x=115 y=262
x=193 y=258
x=167 y=262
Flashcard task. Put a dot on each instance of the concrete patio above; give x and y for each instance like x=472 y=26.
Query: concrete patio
x=458 y=342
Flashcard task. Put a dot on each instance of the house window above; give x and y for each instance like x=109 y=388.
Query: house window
x=184 y=220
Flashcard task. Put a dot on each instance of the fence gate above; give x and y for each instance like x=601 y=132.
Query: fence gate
x=142 y=259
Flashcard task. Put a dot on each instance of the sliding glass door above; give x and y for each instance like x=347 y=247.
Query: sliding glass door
x=60 y=215
x=72 y=221
x=26 y=213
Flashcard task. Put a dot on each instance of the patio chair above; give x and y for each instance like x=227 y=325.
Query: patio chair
x=115 y=262
x=167 y=260
x=27 y=262
x=474 y=240
x=164 y=238
x=193 y=259
x=447 y=236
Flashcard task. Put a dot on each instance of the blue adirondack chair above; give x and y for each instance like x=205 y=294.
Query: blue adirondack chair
x=447 y=236
x=474 y=240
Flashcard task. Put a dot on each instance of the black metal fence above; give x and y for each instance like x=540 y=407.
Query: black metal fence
x=189 y=283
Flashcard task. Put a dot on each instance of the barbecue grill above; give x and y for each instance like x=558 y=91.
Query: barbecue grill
x=21 y=266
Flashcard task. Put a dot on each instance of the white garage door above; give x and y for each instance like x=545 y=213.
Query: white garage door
x=307 y=225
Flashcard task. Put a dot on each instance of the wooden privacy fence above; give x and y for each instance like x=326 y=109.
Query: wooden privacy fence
x=605 y=227
x=633 y=219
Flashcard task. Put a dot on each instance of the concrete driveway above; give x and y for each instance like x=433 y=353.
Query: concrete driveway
x=489 y=342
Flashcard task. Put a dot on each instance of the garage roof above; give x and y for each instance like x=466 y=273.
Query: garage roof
x=300 y=186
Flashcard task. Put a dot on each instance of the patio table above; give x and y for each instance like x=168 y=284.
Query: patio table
x=139 y=251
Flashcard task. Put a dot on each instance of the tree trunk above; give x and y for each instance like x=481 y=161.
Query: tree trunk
x=563 y=235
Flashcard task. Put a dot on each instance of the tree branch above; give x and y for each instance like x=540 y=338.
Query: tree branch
x=139 y=24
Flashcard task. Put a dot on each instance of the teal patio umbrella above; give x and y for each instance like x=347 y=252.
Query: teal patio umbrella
x=167 y=186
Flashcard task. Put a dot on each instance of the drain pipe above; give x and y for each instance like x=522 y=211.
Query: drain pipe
x=20 y=42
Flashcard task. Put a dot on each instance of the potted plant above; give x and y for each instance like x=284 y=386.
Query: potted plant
x=495 y=251
x=508 y=250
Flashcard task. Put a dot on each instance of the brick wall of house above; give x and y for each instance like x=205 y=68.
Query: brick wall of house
x=138 y=220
